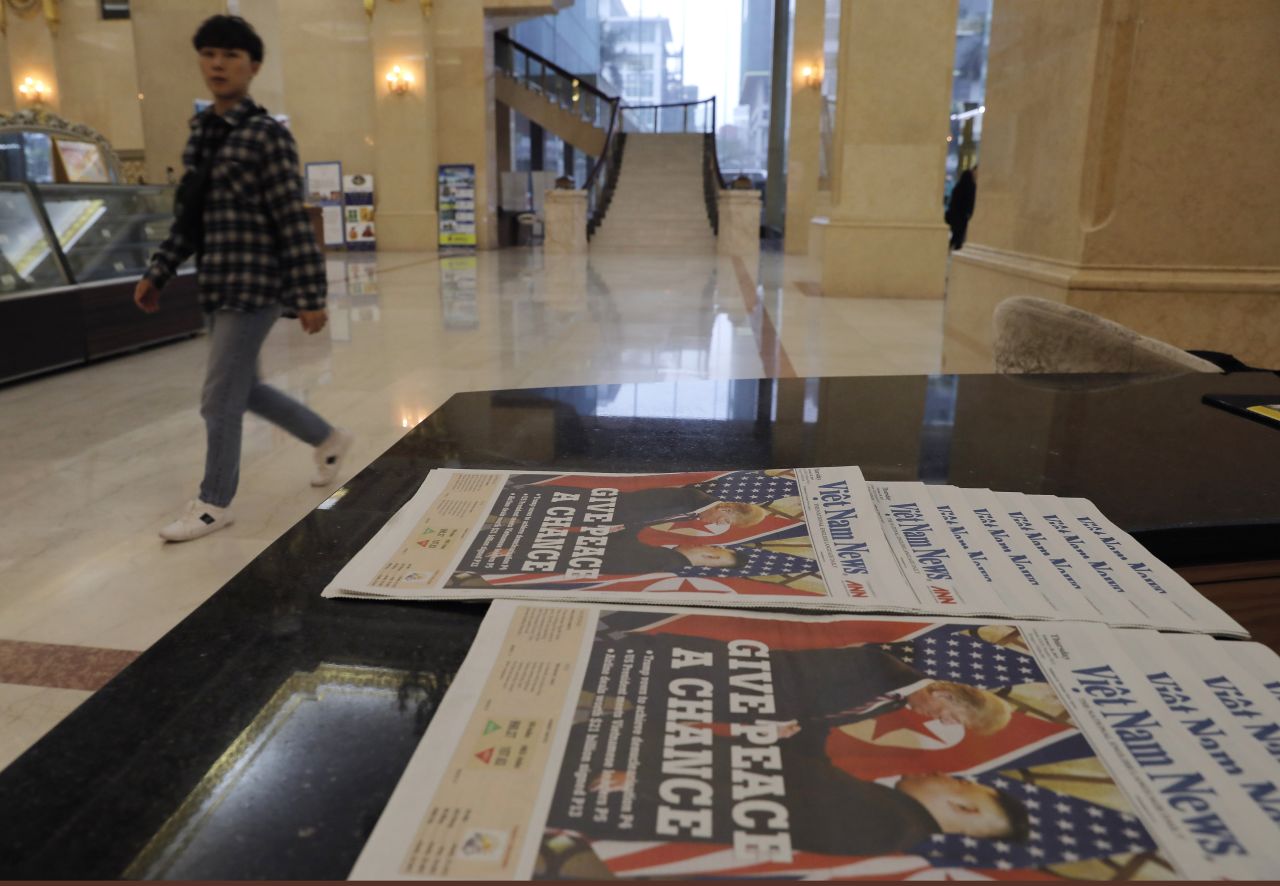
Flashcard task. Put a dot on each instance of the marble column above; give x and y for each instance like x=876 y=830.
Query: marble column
x=805 y=124
x=331 y=86
x=885 y=237
x=98 y=75
x=739 y=227
x=168 y=75
x=8 y=99
x=268 y=18
x=32 y=53
x=465 y=128
x=565 y=224
x=406 y=128
x=1128 y=168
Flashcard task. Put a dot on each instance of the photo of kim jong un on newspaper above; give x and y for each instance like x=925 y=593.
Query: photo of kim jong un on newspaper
x=581 y=742
x=740 y=537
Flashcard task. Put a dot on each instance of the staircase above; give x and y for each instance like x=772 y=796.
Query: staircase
x=552 y=113
x=658 y=205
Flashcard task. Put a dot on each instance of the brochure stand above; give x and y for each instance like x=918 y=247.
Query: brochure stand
x=324 y=189
x=358 y=220
x=456 y=194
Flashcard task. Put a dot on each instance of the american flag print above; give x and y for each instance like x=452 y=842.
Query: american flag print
x=1064 y=829
x=773 y=556
x=757 y=487
x=958 y=654
x=756 y=561
x=1078 y=823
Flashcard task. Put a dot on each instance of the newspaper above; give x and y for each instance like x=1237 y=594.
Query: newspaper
x=805 y=538
x=585 y=741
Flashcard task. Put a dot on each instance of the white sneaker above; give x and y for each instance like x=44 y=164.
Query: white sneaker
x=197 y=519
x=329 y=456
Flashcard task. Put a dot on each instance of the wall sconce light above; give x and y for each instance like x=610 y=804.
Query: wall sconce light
x=809 y=76
x=399 y=81
x=33 y=90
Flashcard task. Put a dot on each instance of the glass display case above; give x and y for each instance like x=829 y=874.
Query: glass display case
x=54 y=235
x=70 y=256
x=28 y=257
x=107 y=231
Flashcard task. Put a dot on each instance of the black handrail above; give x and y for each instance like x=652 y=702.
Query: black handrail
x=501 y=39
x=604 y=172
x=600 y=161
x=600 y=188
x=584 y=99
x=715 y=151
x=709 y=120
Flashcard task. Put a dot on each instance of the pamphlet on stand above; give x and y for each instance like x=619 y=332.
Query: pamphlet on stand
x=456 y=204
x=324 y=189
x=359 y=226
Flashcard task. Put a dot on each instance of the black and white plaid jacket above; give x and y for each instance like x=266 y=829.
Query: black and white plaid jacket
x=259 y=246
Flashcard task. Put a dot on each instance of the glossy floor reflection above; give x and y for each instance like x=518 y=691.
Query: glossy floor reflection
x=93 y=461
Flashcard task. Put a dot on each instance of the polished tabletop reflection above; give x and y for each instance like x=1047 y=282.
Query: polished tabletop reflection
x=262 y=736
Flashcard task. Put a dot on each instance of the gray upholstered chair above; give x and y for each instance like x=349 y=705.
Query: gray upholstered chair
x=1037 y=335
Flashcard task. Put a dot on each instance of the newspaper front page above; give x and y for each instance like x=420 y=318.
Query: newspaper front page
x=587 y=741
x=805 y=538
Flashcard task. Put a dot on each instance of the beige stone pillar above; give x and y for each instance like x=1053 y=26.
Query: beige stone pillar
x=1128 y=168
x=331 y=85
x=502 y=141
x=32 y=53
x=8 y=103
x=406 y=128
x=168 y=75
x=805 y=123
x=885 y=237
x=565 y=224
x=267 y=19
x=463 y=73
x=739 y=224
x=98 y=75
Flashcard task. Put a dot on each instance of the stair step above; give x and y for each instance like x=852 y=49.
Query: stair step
x=658 y=204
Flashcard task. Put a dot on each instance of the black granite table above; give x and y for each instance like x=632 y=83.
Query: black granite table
x=262 y=736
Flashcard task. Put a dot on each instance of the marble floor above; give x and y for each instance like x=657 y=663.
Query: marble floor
x=94 y=460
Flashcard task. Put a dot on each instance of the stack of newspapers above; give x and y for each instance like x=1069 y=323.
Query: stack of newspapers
x=800 y=673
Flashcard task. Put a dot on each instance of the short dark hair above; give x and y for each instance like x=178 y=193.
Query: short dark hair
x=1016 y=813
x=228 y=32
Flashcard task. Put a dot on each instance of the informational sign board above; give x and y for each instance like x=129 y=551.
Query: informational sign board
x=358 y=212
x=324 y=182
x=456 y=187
x=82 y=162
x=324 y=189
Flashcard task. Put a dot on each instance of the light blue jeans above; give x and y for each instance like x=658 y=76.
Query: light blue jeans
x=231 y=386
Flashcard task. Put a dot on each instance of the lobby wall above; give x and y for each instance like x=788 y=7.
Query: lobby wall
x=168 y=75
x=327 y=81
x=325 y=67
x=88 y=63
x=97 y=74
x=1127 y=168
x=30 y=49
